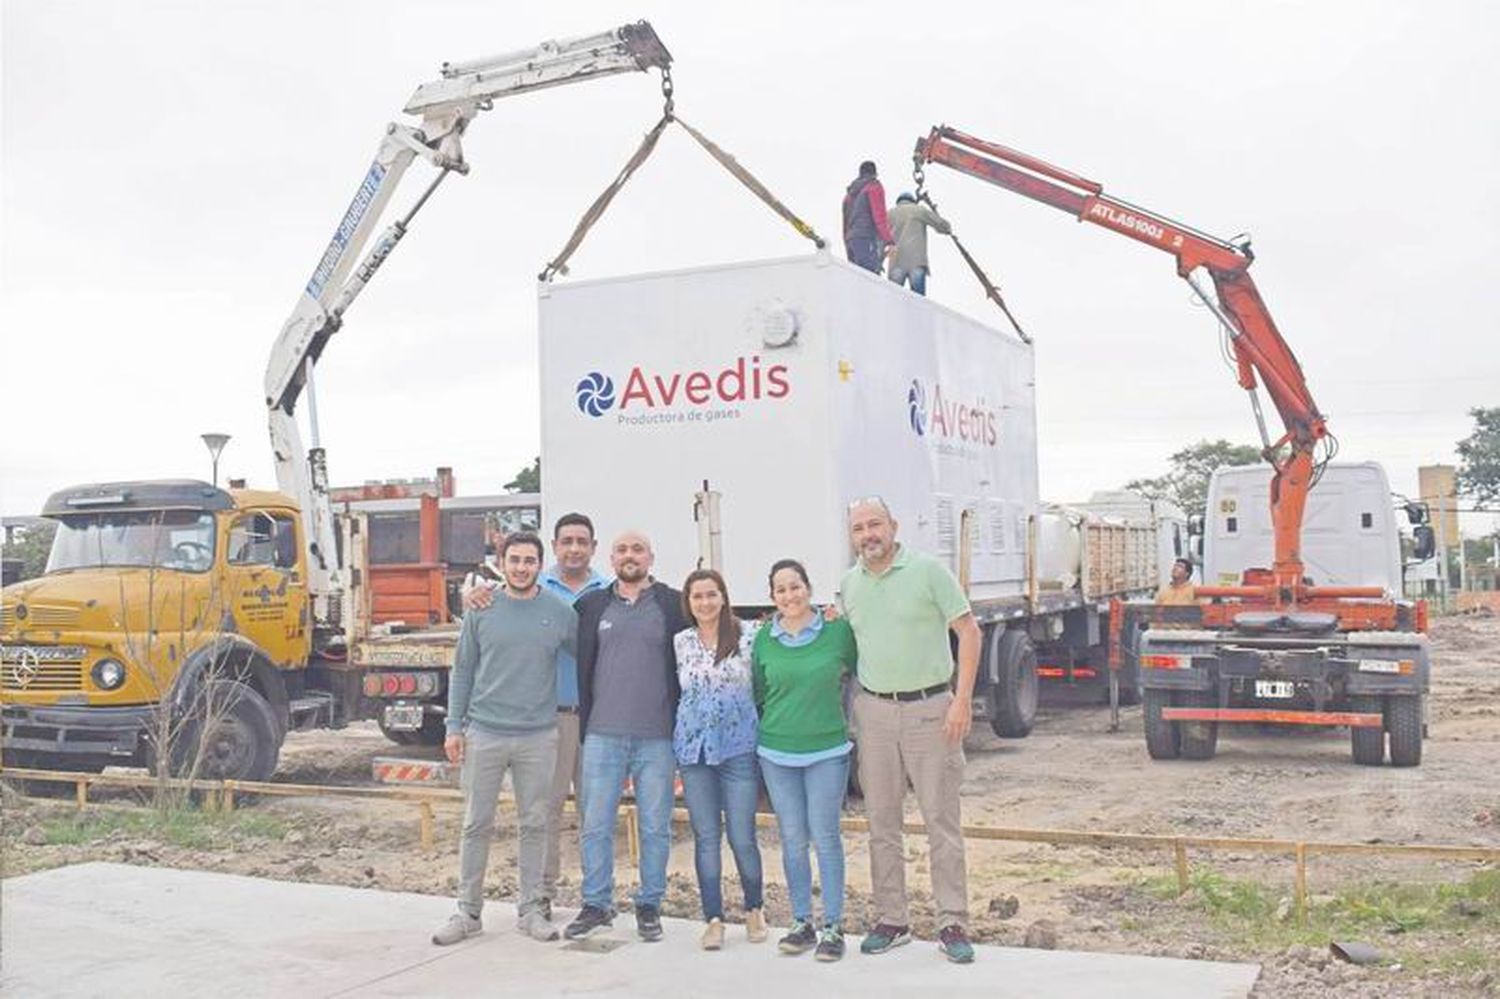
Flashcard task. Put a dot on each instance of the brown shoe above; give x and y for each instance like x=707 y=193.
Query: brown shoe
x=755 y=926
x=713 y=935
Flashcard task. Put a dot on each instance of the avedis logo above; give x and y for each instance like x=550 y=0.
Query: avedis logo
x=673 y=396
x=916 y=407
x=949 y=419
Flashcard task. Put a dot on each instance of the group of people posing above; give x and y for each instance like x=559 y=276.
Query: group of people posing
x=573 y=681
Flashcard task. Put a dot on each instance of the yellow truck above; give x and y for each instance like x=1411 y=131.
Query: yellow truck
x=171 y=613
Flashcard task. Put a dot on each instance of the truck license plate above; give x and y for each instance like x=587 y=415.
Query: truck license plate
x=1275 y=688
x=403 y=717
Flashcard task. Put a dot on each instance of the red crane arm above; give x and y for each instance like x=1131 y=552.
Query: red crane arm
x=1258 y=346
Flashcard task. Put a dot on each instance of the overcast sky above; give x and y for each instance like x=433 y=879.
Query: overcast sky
x=172 y=172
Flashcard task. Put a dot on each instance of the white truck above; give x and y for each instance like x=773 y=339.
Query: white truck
x=760 y=399
x=1349 y=534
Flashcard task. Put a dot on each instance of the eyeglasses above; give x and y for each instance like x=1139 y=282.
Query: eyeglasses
x=870 y=501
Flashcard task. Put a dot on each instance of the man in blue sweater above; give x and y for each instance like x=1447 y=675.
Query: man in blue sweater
x=502 y=715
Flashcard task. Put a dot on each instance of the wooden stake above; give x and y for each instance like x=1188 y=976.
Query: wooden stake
x=81 y=792
x=1179 y=848
x=426 y=824
x=1301 y=884
x=633 y=835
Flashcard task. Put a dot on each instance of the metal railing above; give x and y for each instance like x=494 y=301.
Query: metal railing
x=219 y=795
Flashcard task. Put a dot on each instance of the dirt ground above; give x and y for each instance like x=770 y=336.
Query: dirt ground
x=1437 y=924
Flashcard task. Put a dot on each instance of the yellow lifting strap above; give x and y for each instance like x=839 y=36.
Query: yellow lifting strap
x=559 y=264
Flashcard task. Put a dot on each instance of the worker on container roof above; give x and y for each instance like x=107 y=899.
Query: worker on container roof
x=910 y=220
x=867 y=230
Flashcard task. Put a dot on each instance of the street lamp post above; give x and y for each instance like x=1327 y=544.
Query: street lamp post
x=216 y=444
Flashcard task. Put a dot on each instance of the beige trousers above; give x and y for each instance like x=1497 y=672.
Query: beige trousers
x=900 y=741
x=565 y=778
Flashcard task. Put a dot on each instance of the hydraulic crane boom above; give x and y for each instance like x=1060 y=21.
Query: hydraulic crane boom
x=1257 y=345
x=446 y=107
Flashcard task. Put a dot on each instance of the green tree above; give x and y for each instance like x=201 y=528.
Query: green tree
x=1187 y=482
x=31 y=547
x=1479 y=458
x=528 y=479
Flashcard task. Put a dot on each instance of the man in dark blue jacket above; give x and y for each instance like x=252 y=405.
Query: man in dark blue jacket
x=627 y=704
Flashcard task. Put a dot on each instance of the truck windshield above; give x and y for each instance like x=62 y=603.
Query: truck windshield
x=166 y=539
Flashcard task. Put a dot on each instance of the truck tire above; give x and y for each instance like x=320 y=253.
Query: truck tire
x=1403 y=719
x=1013 y=692
x=1161 y=736
x=231 y=734
x=1199 y=740
x=1366 y=744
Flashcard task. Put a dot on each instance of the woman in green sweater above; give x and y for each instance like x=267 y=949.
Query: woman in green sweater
x=798 y=668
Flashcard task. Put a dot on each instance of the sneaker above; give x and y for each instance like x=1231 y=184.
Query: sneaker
x=830 y=944
x=755 y=926
x=883 y=937
x=648 y=922
x=954 y=943
x=537 y=926
x=459 y=927
x=713 y=935
x=588 y=921
x=800 y=939
x=544 y=906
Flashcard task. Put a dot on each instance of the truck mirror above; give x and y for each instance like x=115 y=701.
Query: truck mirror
x=1416 y=513
x=1195 y=525
x=1424 y=542
x=1195 y=549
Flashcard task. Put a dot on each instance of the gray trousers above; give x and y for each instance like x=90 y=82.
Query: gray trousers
x=566 y=778
x=531 y=760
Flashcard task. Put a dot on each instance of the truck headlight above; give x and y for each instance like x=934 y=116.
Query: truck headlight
x=108 y=674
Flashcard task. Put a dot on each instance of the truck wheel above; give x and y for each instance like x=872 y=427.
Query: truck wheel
x=1403 y=719
x=1013 y=694
x=1200 y=740
x=1366 y=744
x=231 y=735
x=1161 y=736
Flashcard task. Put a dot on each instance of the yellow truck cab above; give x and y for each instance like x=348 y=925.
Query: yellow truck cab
x=171 y=612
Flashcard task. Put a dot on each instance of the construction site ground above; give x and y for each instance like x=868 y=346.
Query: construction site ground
x=1436 y=924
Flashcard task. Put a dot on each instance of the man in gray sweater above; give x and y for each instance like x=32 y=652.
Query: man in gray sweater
x=502 y=715
x=910 y=221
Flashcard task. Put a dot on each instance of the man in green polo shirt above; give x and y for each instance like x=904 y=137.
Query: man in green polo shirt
x=909 y=720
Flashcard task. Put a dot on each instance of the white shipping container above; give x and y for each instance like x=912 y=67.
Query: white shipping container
x=793 y=387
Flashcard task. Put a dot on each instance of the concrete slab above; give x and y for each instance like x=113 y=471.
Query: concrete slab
x=116 y=930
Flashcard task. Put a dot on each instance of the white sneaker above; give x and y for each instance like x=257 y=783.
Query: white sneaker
x=457 y=929
x=537 y=926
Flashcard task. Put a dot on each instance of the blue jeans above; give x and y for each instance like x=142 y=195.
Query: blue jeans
x=607 y=761
x=808 y=803
x=721 y=796
x=864 y=251
x=916 y=277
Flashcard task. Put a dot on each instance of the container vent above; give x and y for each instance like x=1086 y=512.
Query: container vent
x=998 y=535
x=947 y=528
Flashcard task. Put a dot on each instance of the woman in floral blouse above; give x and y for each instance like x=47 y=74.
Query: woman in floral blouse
x=715 y=742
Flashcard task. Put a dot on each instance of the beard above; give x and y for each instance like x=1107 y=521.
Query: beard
x=631 y=572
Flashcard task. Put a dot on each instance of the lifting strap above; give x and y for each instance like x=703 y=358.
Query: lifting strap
x=990 y=290
x=559 y=264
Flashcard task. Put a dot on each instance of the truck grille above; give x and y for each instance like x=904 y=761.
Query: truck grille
x=48 y=677
x=39 y=617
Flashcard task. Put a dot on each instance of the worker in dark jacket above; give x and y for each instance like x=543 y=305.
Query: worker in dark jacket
x=627 y=706
x=867 y=232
